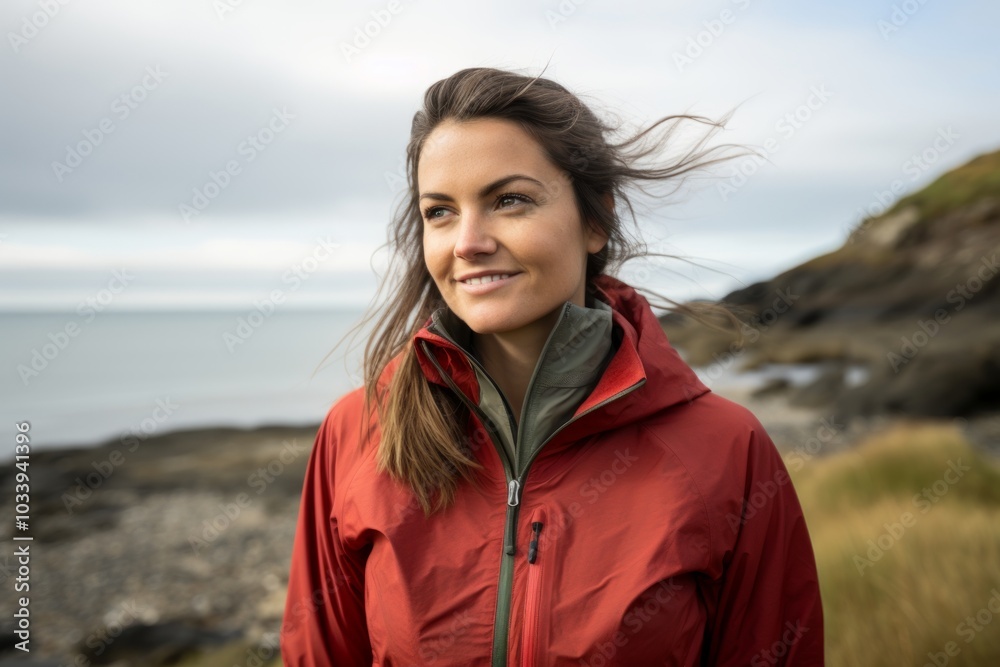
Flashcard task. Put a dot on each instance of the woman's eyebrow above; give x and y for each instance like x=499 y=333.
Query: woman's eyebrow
x=488 y=189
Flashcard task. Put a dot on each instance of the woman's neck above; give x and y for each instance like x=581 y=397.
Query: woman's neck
x=510 y=357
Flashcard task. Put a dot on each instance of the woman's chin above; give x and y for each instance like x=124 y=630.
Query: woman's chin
x=505 y=315
x=491 y=325
x=491 y=318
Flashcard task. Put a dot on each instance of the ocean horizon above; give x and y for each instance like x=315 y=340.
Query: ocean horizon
x=81 y=380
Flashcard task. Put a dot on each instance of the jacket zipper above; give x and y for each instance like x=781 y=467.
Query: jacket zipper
x=506 y=580
x=532 y=603
x=501 y=621
x=510 y=537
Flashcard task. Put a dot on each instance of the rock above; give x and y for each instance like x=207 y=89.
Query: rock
x=890 y=229
x=945 y=383
x=983 y=431
x=771 y=387
x=155 y=645
x=822 y=391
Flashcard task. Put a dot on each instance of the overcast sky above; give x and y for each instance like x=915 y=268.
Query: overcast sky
x=114 y=113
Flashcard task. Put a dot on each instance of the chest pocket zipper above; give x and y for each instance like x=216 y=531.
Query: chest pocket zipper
x=533 y=595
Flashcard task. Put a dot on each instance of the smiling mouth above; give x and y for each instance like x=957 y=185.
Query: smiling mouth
x=484 y=280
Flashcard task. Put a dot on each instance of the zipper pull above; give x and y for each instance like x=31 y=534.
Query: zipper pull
x=533 y=544
x=513 y=498
x=513 y=493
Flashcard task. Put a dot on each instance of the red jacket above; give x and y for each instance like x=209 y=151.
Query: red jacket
x=656 y=525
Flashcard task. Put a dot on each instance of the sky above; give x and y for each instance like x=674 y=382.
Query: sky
x=209 y=149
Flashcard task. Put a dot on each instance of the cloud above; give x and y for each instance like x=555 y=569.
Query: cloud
x=228 y=71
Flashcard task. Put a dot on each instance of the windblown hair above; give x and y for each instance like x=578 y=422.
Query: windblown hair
x=425 y=440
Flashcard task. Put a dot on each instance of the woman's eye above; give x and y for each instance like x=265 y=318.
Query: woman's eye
x=509 y=199
x=430 y=212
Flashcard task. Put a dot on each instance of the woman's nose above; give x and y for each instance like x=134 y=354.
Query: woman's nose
x=474 y=236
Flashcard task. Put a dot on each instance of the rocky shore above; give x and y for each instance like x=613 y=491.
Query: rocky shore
x=180 y=550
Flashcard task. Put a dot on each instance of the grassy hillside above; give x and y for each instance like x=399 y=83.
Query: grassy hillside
x=907 y=542
x=972 y=182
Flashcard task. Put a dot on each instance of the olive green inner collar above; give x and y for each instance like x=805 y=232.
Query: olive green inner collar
x=574 y=357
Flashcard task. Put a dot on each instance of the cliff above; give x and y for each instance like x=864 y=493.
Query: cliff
x=912 y=296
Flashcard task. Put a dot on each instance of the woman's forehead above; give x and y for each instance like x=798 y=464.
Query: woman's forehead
x=479 y=151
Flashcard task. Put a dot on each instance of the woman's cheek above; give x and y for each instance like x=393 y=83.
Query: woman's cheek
x=435 y=255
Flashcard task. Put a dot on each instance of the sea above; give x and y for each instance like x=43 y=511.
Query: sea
x=80 y=379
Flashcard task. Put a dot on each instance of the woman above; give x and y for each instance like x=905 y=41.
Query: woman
x=594 y=503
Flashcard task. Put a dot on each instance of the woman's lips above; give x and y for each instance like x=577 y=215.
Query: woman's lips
x=486 y=288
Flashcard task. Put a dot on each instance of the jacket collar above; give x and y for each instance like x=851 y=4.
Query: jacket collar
x=644 y=369
x=571 y=362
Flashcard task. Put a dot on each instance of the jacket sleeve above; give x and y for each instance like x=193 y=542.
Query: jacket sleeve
x=324 y=622
x=767 y=606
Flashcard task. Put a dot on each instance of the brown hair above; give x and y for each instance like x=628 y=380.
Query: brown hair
x=424 y=437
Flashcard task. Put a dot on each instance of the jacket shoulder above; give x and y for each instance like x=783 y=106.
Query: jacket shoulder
x=343 y=437
x=730 y=417
x=346 y=410
x=709 y=426
x=733 y=443
x=725 y=450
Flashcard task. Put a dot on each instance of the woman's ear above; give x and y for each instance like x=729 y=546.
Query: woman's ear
x=597 y=238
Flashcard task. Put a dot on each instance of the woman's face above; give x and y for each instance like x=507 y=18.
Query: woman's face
x=492 y=203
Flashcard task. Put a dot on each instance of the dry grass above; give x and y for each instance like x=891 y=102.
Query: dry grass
x=237 y=655
x=900 y=573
